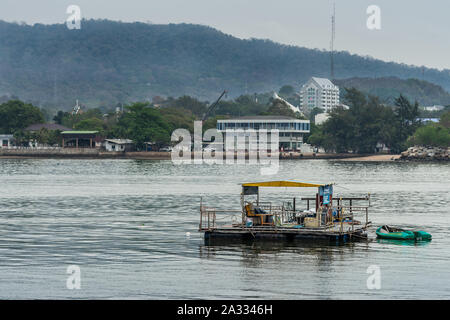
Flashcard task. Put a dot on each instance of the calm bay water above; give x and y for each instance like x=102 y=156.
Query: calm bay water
x=124 y=223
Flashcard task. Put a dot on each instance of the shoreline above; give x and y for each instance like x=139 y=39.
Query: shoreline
x=152 y=155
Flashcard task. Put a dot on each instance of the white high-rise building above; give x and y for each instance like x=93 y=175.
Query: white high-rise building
x=319 y=92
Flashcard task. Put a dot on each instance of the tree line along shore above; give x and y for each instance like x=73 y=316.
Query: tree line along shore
x=358 y=129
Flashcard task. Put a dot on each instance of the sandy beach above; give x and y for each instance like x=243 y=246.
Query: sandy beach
x=378 y=157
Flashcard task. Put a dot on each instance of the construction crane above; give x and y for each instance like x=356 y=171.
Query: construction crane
x=213 y=106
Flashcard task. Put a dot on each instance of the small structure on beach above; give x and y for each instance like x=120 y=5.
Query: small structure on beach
x=6 y=140
x=80 y=139
x=119 y=145
x=151 y=146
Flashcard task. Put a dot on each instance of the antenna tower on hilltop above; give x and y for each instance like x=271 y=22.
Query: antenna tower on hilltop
x=333 y=21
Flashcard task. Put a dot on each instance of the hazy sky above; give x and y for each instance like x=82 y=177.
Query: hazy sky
x=412 y=31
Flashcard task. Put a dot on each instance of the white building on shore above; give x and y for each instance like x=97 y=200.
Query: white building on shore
x=118 y=145
x=6 y=140
x=320 y=93
x=290 y=130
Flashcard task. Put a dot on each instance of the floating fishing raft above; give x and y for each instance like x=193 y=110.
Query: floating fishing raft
x=332 y=218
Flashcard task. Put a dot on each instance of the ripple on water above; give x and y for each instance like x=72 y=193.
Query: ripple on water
x=124 y=222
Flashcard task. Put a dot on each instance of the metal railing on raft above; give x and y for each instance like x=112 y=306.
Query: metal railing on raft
x=280 y=214
x=208 y=217
x=348 y=212
x=345 y=214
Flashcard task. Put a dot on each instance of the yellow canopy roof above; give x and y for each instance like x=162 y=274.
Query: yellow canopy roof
x=282 y=184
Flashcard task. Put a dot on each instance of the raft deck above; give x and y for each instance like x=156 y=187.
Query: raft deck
x=211 y=226
x=333 y=233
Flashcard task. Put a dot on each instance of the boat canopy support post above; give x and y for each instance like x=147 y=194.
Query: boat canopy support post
x=201 y=212
x=242 y=209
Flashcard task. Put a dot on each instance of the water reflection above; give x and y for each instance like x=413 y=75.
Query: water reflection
x=255 y=251
x=410 y=243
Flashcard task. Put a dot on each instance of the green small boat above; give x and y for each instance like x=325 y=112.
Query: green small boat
x=386 y=232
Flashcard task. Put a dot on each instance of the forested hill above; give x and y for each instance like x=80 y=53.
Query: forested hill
x=106 y=62
x=388 y=89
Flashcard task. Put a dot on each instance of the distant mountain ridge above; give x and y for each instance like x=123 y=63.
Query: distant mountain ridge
x=106 y=62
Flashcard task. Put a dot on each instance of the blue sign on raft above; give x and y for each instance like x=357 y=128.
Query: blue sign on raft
x=326 y=192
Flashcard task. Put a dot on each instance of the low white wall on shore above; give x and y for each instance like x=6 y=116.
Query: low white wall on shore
x=47 y=151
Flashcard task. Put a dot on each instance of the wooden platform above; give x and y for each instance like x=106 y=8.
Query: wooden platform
x=325 y=233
